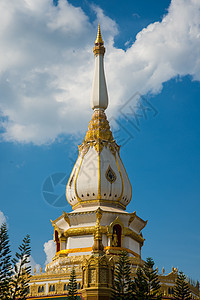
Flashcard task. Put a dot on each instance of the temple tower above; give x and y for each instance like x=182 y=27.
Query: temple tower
x=98 y=228
x=91 y=237
x=98 y=180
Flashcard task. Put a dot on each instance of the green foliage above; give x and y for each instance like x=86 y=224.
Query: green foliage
x=140 y=287
x=72 y=295
x=20 y=279
x=146 y=285
x=122 y=281
x=5 y=262
x=14 y=274
x=181 y=289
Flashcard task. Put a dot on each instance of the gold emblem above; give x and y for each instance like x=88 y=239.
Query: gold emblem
x=110 y=175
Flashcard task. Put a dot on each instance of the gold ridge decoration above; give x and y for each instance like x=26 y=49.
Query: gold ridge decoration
x=98 y=146
x=99 y=128
x=99 y=135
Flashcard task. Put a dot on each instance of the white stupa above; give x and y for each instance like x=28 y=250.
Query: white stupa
x=98 y=183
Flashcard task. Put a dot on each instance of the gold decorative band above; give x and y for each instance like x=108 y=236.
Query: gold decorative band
x=74 y=250
x=90 y=230
x=89 y=249
x=101 y=201
x=51 y=296
x=122 y=249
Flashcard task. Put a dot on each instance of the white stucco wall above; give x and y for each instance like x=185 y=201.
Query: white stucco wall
x=131 y=244
x=80 y=241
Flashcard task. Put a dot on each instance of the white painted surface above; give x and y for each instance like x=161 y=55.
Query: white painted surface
x=103 y=207
x=78 y=220
x=80 y=241
x=131 y=244
x=127 y=193
x=137 y=224
x=70 y=189
x=84 y=180
x=62 y=224
x=109 y=191
x=99 y=97
x=108 y=218
x=87 y=180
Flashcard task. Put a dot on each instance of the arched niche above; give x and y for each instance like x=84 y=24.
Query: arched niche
x=57 y=241
x=116 y=233
x=117 y=236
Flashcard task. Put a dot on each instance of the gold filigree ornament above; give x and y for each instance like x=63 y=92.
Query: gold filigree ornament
x=110 y=175
x=98 y=135
x=99 y=128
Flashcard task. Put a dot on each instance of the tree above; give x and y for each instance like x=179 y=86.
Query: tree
x=153 y=284
x=122 y=281
x=5 y=262
x=146 y=284
x=72 y=295
x=181 y=289
x=20 y=279
x=15 y=273
x=140 y=287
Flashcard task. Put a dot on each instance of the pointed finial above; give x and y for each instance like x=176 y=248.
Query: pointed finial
x=99 y=47
x=99 y=39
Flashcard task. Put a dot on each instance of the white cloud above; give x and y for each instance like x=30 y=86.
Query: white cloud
x=50 y=250
x=2 y=218
x=46 y=63
x=34 y=265
x=35 y=268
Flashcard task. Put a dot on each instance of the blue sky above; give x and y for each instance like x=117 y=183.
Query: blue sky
x=46 y=70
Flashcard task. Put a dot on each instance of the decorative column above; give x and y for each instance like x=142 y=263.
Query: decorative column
x=98 y=270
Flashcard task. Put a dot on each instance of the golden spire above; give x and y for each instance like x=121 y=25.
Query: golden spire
x=99 y=39
x=99 y=47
